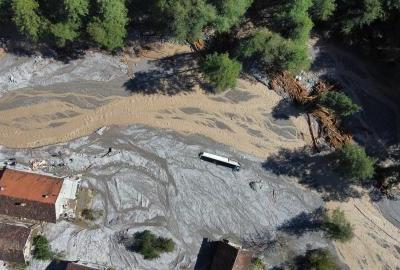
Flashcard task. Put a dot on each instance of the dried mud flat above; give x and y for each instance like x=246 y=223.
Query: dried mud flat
x=154 y=180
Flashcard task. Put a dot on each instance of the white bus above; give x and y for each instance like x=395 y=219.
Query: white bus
x=220 y=160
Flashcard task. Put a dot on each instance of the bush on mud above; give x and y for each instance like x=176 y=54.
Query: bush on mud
x=257 y=264
x=319 y=259
x=337 y=227
x=42 y=249
x=151 y=246
x=354 y=163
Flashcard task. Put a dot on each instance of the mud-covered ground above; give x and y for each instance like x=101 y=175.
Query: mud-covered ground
x=154 y=180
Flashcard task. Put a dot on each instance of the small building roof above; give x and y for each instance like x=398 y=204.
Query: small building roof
x=13 y=239
x=30 y=186
x=76 y=266
x=229 y=257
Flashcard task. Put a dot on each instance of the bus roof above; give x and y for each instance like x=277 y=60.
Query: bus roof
x=219 y=158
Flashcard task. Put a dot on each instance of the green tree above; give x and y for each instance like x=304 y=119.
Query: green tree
x=26 y=17
x=230 y=13
x=320 y=259
x=354 y=163
x=188 y=18
x=367 y=11
x=337 y=227
x=109 y=28
x=322 y=10
x=150 y=246
x=296 y=21
x=340 y=103
x=42 y=249
x=274 y=52
x=221 y=71
x=68 y=28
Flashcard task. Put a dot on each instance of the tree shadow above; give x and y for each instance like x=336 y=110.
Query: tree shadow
x=22 y=47
x=316 y=171
x=205 y=255
x=57 y=265
x=304 y=222
x=172 y=75
x=285 y=109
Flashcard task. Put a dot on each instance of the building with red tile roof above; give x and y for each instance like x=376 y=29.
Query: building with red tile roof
x=15 y=243
x=230 y=257
x=30 y=196
x=76 y=266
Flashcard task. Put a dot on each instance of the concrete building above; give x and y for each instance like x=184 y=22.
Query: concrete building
x=34 y=196
x=229 y=256
x=15 y=243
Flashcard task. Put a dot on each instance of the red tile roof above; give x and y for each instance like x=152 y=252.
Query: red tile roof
x=227 y=257
x=12 y=242
x=30 y=186
x=75 y=266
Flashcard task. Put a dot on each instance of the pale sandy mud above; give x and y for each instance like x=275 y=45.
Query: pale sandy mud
x=231 y=119
x=376 y=242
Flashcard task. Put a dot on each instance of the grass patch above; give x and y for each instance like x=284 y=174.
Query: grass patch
x=90 y=214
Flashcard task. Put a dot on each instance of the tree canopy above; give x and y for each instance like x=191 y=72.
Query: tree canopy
x=354 y=163
x=109 y=27
x=26 y=17
x=340 y=103
x=286 y=24
x=221 y=71
x=274 y=52
x=151 y=246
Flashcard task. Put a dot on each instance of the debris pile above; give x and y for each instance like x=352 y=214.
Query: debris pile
x=329 y=127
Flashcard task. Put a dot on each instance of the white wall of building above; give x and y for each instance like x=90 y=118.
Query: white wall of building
x=67 y=193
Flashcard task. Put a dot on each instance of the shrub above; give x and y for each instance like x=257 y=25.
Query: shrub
x=150 y=246
x=337 y=227
x=221 y=71
x=257 y=264
x=354 y=163
x=340 y=103
x=42 y=249
x=320 y=259
x=88 y=214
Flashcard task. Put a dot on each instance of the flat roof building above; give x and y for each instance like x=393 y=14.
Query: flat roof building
x=15 y=243
x=228 y=256
x=32 y=196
